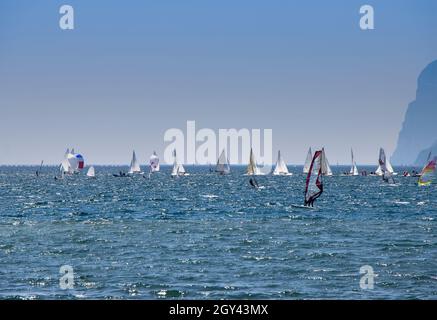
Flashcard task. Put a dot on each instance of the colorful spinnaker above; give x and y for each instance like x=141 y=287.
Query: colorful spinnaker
x=427 y=173
x=314 y=181
x=154 y=162
x=72 y=162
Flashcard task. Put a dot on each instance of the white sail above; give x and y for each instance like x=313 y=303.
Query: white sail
x=91 y=172
x=326 y=168
x=354 y=169
x=178 y=168
x=308 y=160
x=252 y=168
x=223 y=166
x=134 y=164
x=281 y=167
x=154 y=162
x=387 y=166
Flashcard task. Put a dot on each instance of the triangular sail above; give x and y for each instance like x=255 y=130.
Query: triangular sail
x=252 y=168
x=91 y=172
x=388 y=167
x=308 y=160
x=386 y=174
x=223 y=166
x=314 y=180
x=178 y=168
x=427 y=173
x=154 y=163
x=281 y=167
x=354 y=169
x=326 y=168
x=134 y=164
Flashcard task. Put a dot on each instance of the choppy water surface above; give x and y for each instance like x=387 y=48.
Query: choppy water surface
x=211 y=237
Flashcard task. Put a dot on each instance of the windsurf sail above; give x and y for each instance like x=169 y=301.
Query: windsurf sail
x=326 y=168
x=427 y=173
x=281 y=167
x=134 y=164
x=154 y=163
x=178 y=168
x=354 y=169
x=252 y=168
x=91 y=172
x=223 y=166
x=308 y=160
x=314 y=180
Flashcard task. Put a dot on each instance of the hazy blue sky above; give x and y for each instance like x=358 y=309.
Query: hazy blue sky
x=132 y=69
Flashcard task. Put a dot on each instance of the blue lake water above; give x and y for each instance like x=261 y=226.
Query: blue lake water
x=211 y=237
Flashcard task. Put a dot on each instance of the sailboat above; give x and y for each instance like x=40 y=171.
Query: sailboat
x=314 y=180
x=91 y=172
x=223 y=166
x=134 y=164
x=388 y=166
x=38 y=172
x=354 y=169
x=178 y=168
x=252 y=168
x=154 y=163
x=326 y=168
x=281 y=168
x=386 y=173
x=427 y=173
x=308 y=160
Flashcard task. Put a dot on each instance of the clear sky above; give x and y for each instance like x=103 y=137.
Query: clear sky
x=133 y=69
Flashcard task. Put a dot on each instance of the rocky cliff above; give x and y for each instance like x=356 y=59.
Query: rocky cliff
x=419 y=130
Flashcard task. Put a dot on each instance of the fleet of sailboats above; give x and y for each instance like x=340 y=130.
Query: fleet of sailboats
x=73 y=163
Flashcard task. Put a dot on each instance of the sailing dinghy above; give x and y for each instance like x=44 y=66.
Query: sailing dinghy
x=178 y=168
x=308 y=160
x=252 y=168
x=281 y=168
x=427 y=173
x=326 y=168
x=91 y=172
x=134 y=165
x=314 y=180
x=223 y=166
x=354 y=169
x=386 y=172
x=388 y=166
